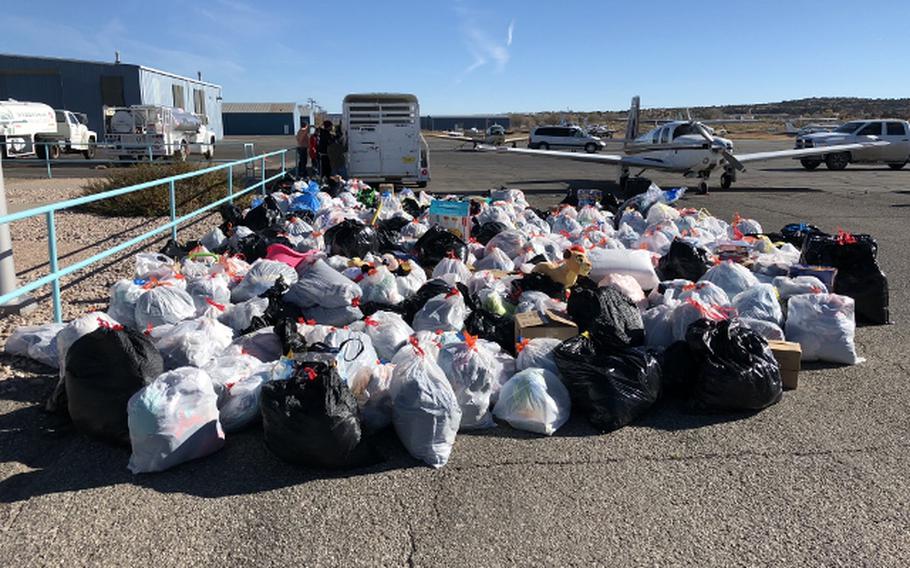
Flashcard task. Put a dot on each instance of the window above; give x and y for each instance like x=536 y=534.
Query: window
x=895 y=129
x=871 y=129
x=177 y=95
x=198 y=101
x=848 y=128
x=60 y=116
x=112 y=91
x=665 y=134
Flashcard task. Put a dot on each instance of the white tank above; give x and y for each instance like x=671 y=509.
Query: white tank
x=186 y=122
x=27 y=118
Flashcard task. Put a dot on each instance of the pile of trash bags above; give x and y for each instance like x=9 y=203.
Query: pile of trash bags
x=326 y=313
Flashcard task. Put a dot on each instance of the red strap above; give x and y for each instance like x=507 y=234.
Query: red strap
x=310 y=373
x=522 y=343
x=370 y=321
x=355 y=302
x=452 y=292
x=416 y=344
x=470 y=340
x=214 y=304
x=844 y=238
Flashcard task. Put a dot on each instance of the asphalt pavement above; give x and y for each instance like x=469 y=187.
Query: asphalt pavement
x=819 y=479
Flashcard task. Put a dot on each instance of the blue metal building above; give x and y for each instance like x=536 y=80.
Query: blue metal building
x=246 y=119
x=88 y=86
x=463 y=122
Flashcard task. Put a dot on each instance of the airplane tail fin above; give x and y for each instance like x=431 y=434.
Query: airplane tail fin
x=632 y=122
x=789 y=128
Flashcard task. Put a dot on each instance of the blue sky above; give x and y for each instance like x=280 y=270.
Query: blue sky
x=491 y=56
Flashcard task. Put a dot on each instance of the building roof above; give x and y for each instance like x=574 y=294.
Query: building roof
x=258 y=107
x=110 y=64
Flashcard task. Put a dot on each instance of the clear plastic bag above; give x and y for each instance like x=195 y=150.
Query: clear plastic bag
x=766 y=329
x=372 y=389
x=471 y=370
x=494 y=260
x=356 y=352
x=445 y=312
x=162 y=305
x=379 y=285
x=452 y=270
x=426 y=342
x=209 y=291
x=388 y=332
x=538 y=352
x=425 y=412
x=240 y=316
x=510 y=242
x=124 y=294
x=788 y=287
x=658 y=325
x=321 y=285
x=37 y=342
x=173 y=420
x=731 y=277
x=759 y=302
x=261 y=276
x=154 y=265
x=534 y=400
x=824 y=326
x=191 y=343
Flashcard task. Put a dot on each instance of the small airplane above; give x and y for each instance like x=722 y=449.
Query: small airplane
x=687 y=147
x=792 y=130
x=495 y=135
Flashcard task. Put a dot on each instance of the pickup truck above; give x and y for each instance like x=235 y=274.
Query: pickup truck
x=896 y=153
x=76 y=136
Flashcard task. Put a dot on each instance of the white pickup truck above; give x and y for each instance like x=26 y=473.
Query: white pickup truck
x=30 y=129
x=896 y=153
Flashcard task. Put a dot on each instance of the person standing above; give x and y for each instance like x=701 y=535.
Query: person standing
x=326 y=137
x=336 y=153
x=303 y=149
x=314 y=155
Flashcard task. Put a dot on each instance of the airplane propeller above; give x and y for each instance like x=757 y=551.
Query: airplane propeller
x=718 y=146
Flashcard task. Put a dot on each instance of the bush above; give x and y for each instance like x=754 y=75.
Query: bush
x=191 y=193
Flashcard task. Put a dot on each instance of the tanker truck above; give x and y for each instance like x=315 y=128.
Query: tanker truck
x=23 y=128
x=149 y=131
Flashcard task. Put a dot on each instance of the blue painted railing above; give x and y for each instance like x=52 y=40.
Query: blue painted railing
x=50 y=210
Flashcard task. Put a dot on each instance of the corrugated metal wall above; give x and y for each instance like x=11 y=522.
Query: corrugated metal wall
x=158 y=89
x=69 y=84
x=260 y=123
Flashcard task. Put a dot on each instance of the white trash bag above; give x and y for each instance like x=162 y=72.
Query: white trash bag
x=240 y=316
x=471 y=371
x=162 y=305
x=534 y=400
x=210 y=291
x=191 y=343
x=388 y=332
x=238 y=380
x=172 y=420
x=823 y=325
x=452 y=270
x=445 y=312
x=732 y=278
x=124 y=295
x=37 y=342
x=261 y=276
x=371 y=389
x=759 y=302
x=321 y=285
x=425 y=412
x=538 y=352
x=379 y=285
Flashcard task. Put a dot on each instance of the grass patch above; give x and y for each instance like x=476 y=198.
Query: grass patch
x=191 y=194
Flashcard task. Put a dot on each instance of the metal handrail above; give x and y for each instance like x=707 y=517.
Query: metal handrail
x=49 y=211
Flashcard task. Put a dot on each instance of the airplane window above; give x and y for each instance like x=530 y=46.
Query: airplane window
x=871 y=129
x=683 y=130
x=665 y=134
x=895 y=129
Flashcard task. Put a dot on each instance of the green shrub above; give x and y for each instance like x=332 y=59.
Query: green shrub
x=191 y=193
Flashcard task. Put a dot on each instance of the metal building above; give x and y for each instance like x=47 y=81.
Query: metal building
x=464 y=122
x=246 y=119
x=87 y=86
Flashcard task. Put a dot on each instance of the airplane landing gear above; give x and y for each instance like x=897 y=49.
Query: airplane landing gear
x=703 y=187
x=726 y=180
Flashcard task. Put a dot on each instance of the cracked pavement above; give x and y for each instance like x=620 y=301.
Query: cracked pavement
x=816 y=480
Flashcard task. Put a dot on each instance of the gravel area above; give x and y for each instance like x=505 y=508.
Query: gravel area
x=79 y=235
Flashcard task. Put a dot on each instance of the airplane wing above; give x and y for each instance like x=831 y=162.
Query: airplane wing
x=516 y=139
x=803 y=152
x=608 y=159
x=449 y=137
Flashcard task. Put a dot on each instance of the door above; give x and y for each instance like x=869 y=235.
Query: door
x=400 y=150
x=363 y=150
x=898 y=148
x=874 y=154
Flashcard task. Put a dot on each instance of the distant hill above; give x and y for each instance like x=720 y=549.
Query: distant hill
x=843 y=108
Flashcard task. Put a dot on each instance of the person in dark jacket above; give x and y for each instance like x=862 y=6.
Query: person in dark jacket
x=303 y=148
x=326 y=137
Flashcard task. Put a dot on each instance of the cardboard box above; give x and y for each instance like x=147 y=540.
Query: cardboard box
x=530 y=325
x=788 y=355
x=453 y=216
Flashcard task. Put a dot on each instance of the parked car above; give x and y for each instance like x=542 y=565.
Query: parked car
x=896 y=153
x=546 y=137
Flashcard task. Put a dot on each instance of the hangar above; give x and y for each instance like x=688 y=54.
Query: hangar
x=260 y=118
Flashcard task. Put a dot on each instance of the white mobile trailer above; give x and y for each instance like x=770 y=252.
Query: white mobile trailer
x=383 y=139
x=141 y=131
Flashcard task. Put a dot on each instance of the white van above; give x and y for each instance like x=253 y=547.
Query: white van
x=382 y=139
x=546 y=137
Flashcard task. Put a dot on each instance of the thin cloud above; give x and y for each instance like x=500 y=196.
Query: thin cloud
x=481 y=45
x=510 y=31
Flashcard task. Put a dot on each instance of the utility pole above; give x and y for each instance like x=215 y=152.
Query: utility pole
x=312 y=104
x=8 y=282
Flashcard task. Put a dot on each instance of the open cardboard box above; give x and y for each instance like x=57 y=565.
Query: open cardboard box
x=530 y=325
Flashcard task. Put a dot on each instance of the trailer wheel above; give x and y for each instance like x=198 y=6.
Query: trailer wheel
x=210 y=152
x=184 y=151
x=48 y=151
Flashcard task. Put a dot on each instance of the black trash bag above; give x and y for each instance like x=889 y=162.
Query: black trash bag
x=276 y=311
x=231 y=216
x=487 y=231
x=684 y=260
x=255 y=246
x=284 y=184
x=392 y=224
x=291 y=340
x=388 y=240
x=351 y=238
x=487 y=325
x=858 y=273
x=795 y=234
x=333 y=187
x=612 y=389
x=412 y=207
x=311 y=419
x=537 y=282
x=264 y=215
x=177 y=251
x=437 y=244
x=103 y=370
x=680 y=367
x=608 y=315
x=736 y=369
